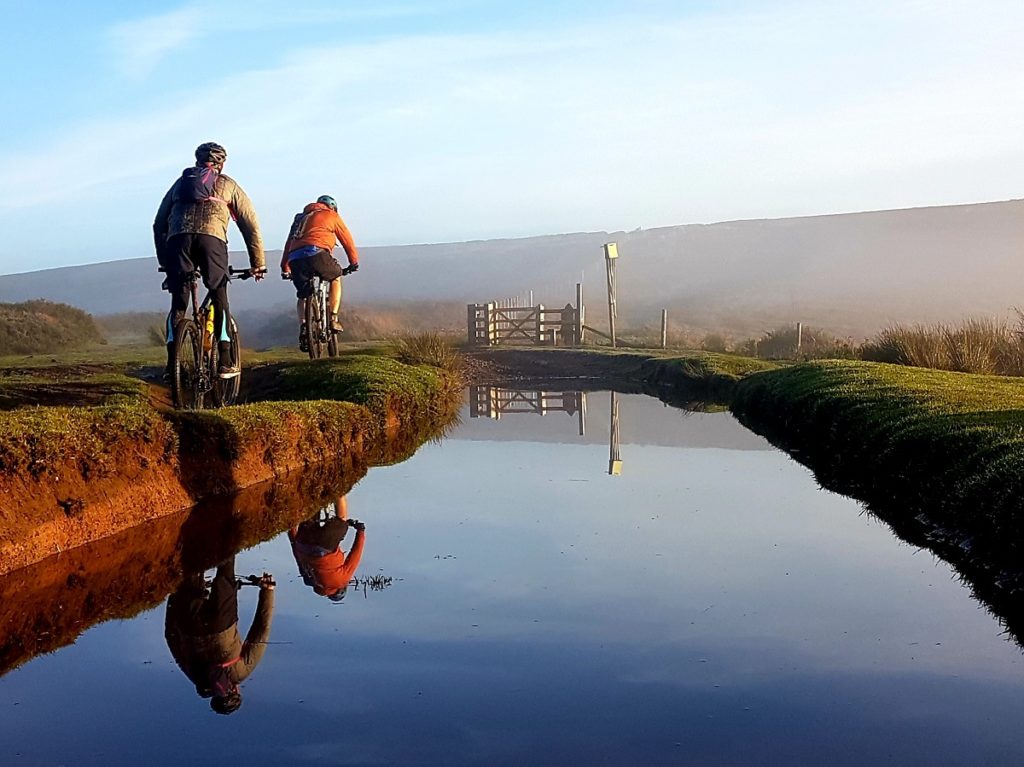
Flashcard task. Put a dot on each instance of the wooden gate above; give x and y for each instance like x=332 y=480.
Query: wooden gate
x=497 y=323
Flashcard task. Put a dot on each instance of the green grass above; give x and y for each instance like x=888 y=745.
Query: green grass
x=43 y=439
x=366 y=379
x=884 y=432
x=705 y=365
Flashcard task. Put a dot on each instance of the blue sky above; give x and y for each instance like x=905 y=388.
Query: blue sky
x=464 y=120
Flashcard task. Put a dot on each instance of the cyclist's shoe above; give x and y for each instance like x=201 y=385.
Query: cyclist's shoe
x=336 y=325
x=229 y=371
x=168 y=375
x=303 y=339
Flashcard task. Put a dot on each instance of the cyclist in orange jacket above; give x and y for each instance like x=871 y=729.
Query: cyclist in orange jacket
x=309 y=251
x=316 y=546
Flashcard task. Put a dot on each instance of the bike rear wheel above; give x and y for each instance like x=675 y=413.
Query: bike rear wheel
x=225 y=390
x=314 y=327
x=187 y=382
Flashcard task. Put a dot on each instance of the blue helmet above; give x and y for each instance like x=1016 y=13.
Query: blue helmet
x=327 y=200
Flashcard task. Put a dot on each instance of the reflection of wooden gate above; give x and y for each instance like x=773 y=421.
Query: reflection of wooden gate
x=494 y=402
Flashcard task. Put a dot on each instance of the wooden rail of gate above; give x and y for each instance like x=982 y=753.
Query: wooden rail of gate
x=495 y=402
x=502 y=322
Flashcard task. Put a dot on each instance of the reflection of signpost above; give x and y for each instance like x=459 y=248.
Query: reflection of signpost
x=614 y=461
x=611 y=254
x=494 y=402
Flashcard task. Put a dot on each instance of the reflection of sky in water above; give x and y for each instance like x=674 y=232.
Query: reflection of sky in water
x=708 y=606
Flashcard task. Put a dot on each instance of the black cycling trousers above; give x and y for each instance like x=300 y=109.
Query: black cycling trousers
x=184 y=254
x=198 y=612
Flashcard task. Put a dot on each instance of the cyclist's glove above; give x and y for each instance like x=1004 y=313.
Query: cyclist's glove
x=353 y=268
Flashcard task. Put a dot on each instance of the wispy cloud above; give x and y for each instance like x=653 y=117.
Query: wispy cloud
x=618 y=122
x=139 y=45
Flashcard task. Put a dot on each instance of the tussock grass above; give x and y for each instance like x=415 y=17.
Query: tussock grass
x=815 y=344
x=427 y=349
x=978 y=345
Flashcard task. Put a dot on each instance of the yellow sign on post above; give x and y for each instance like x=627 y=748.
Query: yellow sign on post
x=611 y=250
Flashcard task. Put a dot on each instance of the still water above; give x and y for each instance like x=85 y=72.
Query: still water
x=683 y=594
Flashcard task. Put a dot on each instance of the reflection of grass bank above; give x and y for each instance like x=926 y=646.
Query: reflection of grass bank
x=937 y=455
x=71 y=474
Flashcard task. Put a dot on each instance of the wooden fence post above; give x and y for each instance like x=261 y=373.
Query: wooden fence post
x=540 y=324
x=578 y=334
x=664 y=328
x=611 y=255
x=471 y=324
x=489 y=323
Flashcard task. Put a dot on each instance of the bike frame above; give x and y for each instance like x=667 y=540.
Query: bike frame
x=204 y=379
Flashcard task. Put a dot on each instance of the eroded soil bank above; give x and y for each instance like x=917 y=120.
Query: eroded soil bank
x=70 y=475
x=48 y=604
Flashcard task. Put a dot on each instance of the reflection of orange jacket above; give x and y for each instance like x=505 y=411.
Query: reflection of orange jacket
x=320 y=227
x=332 y=572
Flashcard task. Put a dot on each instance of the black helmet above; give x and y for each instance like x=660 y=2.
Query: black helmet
x=211 y=153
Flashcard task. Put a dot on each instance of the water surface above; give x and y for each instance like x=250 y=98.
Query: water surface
x=708 y=605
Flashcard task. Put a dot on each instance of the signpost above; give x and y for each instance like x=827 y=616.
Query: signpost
x=611 y=254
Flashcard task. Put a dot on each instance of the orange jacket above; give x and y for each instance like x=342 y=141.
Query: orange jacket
x=320 y=227
x=332 y=572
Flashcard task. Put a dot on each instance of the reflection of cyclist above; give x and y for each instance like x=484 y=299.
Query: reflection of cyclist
x=201 y=630
x=309 y=251
x=191 y=232
x=316 y=544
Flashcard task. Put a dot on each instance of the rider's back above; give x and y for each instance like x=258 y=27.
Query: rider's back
x=180 y=213
x=320 y=227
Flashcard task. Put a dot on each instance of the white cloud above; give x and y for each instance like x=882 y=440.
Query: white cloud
x=141 y=44
x=609 y=124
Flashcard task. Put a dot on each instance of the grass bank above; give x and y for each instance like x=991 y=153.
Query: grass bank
x=70 y=474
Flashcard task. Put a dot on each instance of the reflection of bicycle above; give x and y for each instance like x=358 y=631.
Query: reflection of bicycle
x=319 y=333
x=194 y=377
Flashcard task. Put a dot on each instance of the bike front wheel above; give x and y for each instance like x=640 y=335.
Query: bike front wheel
x=187 y=386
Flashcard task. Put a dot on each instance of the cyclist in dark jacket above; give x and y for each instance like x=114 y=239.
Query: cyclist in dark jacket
x=191 y=231
x=201 y=630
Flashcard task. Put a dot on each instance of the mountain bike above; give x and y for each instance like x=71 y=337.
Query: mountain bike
x=319 y=335
x=194 y=379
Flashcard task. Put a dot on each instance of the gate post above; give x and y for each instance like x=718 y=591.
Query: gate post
x=539 y=330
x=489 y=322
x=471 y=333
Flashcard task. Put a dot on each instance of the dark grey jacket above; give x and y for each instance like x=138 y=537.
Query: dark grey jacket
x=177 y=215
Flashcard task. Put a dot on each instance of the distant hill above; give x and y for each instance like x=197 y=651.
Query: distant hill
x=850 y=272
x=35 y=327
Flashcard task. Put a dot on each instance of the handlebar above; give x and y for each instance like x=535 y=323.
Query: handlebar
x=244 y=274
x=241 y=274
